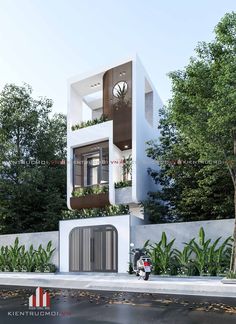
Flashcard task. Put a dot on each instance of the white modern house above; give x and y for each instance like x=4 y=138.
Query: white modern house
x=112 y=113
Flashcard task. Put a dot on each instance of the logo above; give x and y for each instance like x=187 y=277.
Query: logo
x=39 y=306
x=40 y=300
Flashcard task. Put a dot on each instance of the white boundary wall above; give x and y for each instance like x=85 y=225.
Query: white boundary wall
x=182 y=232
x=36 y=239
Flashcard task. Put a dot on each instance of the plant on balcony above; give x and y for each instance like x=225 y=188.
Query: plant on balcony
x=127 y=168
x=96 y=212
x=94 y=190
x=123 y=184
x=88 y=123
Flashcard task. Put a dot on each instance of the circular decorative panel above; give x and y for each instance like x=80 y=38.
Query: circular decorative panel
x=120 y=89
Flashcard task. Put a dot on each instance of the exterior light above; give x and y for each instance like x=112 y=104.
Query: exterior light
x=126 y=146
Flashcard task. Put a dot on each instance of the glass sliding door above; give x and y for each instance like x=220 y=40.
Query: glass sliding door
x=91 y=165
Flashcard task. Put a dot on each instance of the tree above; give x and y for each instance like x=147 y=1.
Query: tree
x=32 y=178
x=203 y=105
x=189 y=189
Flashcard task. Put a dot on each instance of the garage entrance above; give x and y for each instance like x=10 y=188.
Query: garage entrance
x=93 y=249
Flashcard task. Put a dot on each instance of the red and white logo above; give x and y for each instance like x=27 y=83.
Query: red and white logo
x=40 y=299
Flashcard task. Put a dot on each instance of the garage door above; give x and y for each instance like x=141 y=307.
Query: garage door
x=93 y=249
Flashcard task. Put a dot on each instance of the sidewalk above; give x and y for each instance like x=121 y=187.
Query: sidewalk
x=110 y=282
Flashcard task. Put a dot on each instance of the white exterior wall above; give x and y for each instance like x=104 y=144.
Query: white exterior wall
x=74 y=111
x=116 y=164
x=142 y=132
x=121 y=223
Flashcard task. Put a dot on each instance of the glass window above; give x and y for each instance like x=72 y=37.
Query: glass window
x=91 y=165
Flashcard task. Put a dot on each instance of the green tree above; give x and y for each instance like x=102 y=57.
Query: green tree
x=189 y=189
x=203 y=105
x=32 y=180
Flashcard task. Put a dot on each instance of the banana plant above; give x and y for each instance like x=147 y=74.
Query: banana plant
x=161 y=254
x=222 y=256
x=43 y=256
x=208 y=258
x=183 y=260
x=200 y=251
x=29 y=260
x=16 y=258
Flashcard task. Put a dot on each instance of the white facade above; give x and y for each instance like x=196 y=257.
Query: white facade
x=123 y=134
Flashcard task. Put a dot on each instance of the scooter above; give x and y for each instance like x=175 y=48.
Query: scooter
x=142 y=265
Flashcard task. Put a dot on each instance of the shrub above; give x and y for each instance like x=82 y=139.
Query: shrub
x=231 y=275
x=196 y=258
x=210 y=259
x=112 y=210
x=123 y=184
x=94 y=190
x=161 y=254
x=15 y=258
x=95 y=121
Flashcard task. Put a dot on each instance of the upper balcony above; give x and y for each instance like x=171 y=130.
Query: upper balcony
x=101 y=97
x=86 y=103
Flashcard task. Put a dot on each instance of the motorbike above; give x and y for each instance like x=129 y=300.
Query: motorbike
x=142 y=265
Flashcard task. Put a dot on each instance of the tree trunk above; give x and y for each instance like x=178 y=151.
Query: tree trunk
x=233 y=256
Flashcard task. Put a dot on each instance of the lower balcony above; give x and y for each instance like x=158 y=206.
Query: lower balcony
x=90 y=201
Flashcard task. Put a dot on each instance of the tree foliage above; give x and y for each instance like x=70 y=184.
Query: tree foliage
x=32 y=180
x=203 y=105
x=190 y=189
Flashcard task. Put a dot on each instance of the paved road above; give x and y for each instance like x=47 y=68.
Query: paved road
x=83 y=307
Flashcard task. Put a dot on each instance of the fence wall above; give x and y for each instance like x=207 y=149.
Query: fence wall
x=182 y=232
x=36 y=239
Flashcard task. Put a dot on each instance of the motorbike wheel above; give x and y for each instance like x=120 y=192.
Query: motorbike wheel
x=146 y=276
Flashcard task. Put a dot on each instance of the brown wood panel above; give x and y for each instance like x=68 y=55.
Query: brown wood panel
x=118 y=111
x=90 y=201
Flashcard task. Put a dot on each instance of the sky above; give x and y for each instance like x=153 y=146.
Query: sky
x=45 y=42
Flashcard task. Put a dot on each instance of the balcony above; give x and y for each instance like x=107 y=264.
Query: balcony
x=103 y=118
x=95 y=196
x=90 y=201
